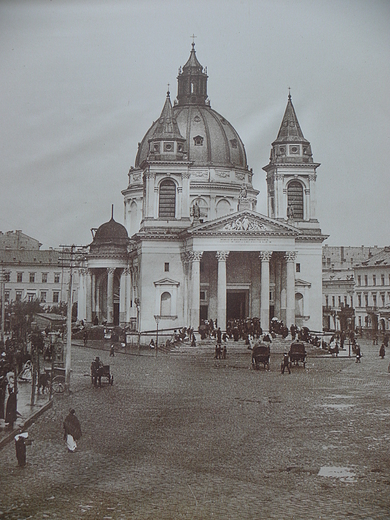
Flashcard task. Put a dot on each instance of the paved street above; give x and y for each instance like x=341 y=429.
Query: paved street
x=184 y=436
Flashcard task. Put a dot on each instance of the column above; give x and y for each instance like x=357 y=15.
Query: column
x=89 y=296
x=278 y=287
x=110 y=295
x=290 y=310
x=123 y=296
x=195 y=278
x=92 y=278
x=129 y=290
x=265 y=257
x=221 y=289
x=81 y=314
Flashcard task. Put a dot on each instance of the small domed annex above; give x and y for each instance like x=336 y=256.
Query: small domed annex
x=110 y=239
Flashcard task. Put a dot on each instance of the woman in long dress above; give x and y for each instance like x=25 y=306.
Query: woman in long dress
x=72 y=431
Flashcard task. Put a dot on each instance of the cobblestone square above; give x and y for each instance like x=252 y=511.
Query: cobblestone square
x=185 y=436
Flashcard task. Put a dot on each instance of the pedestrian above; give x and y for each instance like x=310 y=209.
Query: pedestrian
x=285 y=363
x=112 y=350
x=85 y=338
x=20 y=448
x=224 y=351
x=10 y=410
x=358 y=353
x=382 y=351
x=219 y=335
x=72 y=430
x=193 y=341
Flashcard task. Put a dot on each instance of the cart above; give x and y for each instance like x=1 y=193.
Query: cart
x=101 y=372
x=57 y=377
x=260 y=355
x=297 y=353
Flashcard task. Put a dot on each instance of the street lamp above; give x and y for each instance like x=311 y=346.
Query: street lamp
x=157 y=318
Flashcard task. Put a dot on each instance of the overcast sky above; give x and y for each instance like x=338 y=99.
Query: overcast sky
x=82 y=81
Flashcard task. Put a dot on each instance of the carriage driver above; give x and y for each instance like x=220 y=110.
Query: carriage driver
x=95 y=371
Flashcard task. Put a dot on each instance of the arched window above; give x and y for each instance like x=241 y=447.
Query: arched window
x=295 y=199
x=167 y=199
x=165 y=305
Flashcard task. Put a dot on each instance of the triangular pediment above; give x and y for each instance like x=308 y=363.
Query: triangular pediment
x=166 y=281
x=244 y=222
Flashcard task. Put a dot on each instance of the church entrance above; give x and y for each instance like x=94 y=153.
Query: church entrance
x=237 y=304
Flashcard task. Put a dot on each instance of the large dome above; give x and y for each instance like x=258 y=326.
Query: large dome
x=210 y=139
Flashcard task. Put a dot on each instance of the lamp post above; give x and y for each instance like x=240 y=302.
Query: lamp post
x=157 y=318
x=137 y=305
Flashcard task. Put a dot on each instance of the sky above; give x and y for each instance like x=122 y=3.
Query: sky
x=82 y=81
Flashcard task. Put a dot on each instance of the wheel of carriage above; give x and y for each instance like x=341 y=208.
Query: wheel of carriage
x=58 y=384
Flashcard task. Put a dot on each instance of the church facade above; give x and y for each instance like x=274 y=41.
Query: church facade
x=193 y=246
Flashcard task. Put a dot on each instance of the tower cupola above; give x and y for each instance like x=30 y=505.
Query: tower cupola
x=291 y=174
x=166 y=142
x=192 y=82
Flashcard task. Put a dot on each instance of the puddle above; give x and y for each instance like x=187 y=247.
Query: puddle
x=342 y=473
x=338 y=406
x=339 y=396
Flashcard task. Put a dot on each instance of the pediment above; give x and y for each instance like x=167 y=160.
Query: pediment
x=166 y=281
x=302 y=283
x=244 y=222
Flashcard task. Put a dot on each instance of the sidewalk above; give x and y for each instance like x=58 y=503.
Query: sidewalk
x=27 y=414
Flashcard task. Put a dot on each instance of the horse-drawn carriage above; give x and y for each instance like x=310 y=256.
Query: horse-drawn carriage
x=99 y=372
x=260 y=355
x=297 y=353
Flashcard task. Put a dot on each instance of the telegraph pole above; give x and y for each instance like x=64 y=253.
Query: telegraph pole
x=71 y=250
x=2 y=302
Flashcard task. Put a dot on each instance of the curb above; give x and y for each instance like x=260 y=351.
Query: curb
x=5 y=440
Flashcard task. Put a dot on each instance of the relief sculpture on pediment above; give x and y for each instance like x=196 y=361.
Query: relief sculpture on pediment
x=244 y=224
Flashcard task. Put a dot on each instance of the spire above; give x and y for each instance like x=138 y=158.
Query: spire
x=166 y=142
x=290 y=129
x=167 y=127
x=192 y=82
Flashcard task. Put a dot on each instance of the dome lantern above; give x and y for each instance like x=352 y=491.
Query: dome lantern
x=192 y=82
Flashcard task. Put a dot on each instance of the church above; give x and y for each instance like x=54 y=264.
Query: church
x=193 y=247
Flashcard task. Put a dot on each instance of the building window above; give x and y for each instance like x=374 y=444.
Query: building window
x=19 y=295
x=168 y=147
x=43 y=296
x=167 y=199
x=32 y=277
x=383 y=299
x=373 y=279
x=298 y=268
x=6 y=296
x=333 y=301
x=359 y=300
x=359 y=280
x=295 y=199
x=56 y=297
x=44 y=277
x=374 y=300
x=31 y=297
x=166 y=267
x=203 y=296
x=345 y=300
x=360 y=321
x=7 y=276
x=326 y=301
x=56 y=277
x=165 y=307
x=382 y=279
x=198 y=140
x=366 y=299
x=365 y=280
x=19 y=277
x=339 y=301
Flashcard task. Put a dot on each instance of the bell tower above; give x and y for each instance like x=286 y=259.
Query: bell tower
x=291 y=175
